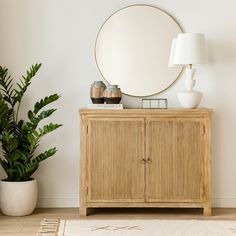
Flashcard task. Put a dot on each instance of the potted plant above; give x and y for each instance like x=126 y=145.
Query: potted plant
x=19 y=139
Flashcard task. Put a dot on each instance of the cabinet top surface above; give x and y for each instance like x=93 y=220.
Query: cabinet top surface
x=143 y=112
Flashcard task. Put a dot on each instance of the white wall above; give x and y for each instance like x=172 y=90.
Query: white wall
x=61 y=35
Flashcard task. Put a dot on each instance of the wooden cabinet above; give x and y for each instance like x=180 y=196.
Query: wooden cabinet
x=115 y=148
x=145 y=158
x=175 y=160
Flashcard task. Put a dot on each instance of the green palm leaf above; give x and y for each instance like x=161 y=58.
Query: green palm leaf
x=25 y=82
x=19 y=139
x=45 y=155
x=6 y=85
x=43 y=102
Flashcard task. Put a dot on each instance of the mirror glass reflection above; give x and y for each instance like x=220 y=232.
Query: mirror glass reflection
x=132 y=50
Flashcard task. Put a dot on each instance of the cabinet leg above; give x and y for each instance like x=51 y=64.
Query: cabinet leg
x=83 y=211
x=207 y=211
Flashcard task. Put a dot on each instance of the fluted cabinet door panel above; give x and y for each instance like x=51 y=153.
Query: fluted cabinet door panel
x=175 y=148
x=115 y=149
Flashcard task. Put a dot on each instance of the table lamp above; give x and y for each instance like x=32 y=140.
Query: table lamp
x=187 y=50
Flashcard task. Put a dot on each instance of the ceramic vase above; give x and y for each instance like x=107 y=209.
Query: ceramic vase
x=96 y=92
x=190 y=98
x=112 y=94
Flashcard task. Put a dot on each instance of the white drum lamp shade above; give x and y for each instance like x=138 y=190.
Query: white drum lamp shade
x=189 y=48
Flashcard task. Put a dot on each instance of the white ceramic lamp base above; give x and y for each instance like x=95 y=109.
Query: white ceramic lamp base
x=190 y=99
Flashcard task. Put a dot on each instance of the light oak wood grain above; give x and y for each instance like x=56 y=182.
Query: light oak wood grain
x=114 y=169
x=175 y=149
x=207 y=167
x=145 y=158
x=83 y=166
x=174 y=112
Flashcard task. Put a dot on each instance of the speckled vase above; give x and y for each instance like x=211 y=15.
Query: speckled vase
x=96 y=92
x=112 y=94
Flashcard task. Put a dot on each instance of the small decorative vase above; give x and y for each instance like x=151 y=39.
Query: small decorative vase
x=112 y=94
x=96 y=92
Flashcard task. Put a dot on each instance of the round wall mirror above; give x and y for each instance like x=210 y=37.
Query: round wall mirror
x=132 y=50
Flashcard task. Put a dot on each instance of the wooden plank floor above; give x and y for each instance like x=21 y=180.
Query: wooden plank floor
x=28 y=226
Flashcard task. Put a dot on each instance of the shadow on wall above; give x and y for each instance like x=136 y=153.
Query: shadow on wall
x=221 y=52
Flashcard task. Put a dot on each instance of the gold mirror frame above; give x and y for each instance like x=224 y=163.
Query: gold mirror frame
x=107 y=20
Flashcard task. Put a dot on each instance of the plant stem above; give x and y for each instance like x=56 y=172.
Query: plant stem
x=17 y=112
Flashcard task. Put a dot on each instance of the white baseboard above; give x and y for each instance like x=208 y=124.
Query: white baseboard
x=57 y=202
x=225 y=202
x=74 y=202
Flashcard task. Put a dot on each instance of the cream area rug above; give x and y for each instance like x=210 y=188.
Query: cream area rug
x=136 y=228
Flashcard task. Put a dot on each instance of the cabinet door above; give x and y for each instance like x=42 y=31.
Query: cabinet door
x=175 y=148
x=115 y=150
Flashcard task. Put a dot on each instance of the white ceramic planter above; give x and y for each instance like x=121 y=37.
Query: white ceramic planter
x=18 y=198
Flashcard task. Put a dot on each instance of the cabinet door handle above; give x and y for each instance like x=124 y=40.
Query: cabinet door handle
x=149 y=160
x=143 y=161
